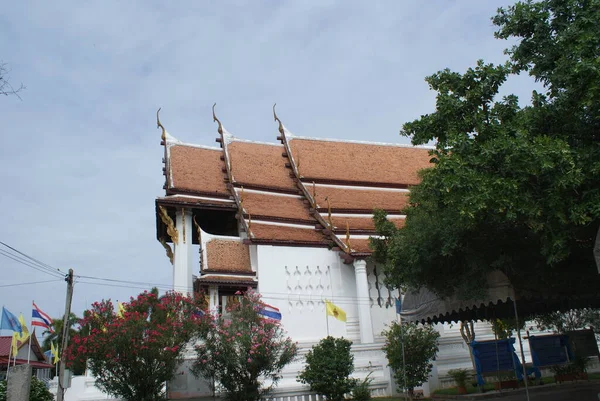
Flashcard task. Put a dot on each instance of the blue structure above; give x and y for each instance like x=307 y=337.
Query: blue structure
x=496 y=357
x=550 y=350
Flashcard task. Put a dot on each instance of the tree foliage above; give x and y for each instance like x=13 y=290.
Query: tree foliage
x=55 y=336
x=564 y=322
x=329 y=365
x=133 y=355
x=511 y=188
x=242 y=351
x=410 y=348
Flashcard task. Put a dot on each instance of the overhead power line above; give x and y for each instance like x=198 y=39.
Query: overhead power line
x=30 y=283
x=23 y=258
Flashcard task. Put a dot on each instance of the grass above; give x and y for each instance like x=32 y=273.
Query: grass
x=490 y=386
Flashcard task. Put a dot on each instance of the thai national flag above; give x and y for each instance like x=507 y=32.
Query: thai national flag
x=270 y=312
x=39 y=318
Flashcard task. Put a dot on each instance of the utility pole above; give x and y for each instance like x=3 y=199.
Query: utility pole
x=60 y=394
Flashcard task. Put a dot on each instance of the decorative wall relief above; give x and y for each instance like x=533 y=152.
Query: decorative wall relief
x=379 y=293
x=307 y=287
x=288 y=284
x=320 y=289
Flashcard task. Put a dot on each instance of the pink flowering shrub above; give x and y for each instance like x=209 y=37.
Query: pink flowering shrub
x=243 y=352
x=133 y=355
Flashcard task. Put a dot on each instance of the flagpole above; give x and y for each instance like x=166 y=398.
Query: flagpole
x=29 y=352
x=326 y=318
x=9 y=354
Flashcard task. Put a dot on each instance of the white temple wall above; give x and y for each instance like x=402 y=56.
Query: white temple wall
x=298 y=280
x=382 y=299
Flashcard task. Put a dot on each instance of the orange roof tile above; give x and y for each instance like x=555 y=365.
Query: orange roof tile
x=260 y=165
x=271 y=205
x=359 y=245
x=333 y=161
x=359 y=223
x=196 y=170
x=227 y=256
x=286 y=234
x=359 y=199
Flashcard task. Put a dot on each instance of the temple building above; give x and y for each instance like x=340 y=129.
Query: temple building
x=291 y=219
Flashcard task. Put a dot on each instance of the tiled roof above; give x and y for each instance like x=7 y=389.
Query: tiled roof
x=217 y=279
x=276 y=206
x=5 y=343
x=337 y=161
x=265 y=191
x=359 y=223
x=34 y=364
x=189 y=200
x=348 y=198
x=227 y=256
x=348 y=179
x=259 y=165
x=286 y=234
x=195 y=170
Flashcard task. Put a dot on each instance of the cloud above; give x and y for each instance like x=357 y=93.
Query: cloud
x=81 y=155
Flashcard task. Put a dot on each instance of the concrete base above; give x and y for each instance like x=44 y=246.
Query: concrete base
x=19 y=383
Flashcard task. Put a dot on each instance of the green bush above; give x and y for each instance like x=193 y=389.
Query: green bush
x=328 y=367
x=361 y=391
x=460 y=376
x=37 y=392
x=409 y=349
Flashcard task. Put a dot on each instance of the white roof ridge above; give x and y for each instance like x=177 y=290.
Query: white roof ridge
x=237 y=139
x=172 y=141
x=400 y=145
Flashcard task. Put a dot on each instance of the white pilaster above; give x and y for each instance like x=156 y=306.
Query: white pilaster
x=213 y=299
x=182 y=264
x=364 y=306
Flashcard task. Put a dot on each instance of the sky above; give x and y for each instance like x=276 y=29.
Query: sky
x=81 y=154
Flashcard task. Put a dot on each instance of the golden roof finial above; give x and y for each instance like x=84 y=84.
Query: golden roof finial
x=242 y=199
x=348 y=235
x=168 y=221
x=249 y=225
x=314 y=195
x=278 y=120
x=163 y=136
x=168 y=249
x=220 y=129
x=329 y=213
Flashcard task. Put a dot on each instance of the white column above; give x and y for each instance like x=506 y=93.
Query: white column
x=364 y=306
x=182 y=264
x=213 y=299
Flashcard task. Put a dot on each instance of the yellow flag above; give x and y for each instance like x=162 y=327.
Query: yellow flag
x=14 y=345
x=335 y=311
x=120 y=309
x=25 y=334
x=54 y=351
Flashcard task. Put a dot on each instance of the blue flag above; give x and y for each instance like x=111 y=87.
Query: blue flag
x=398 y=306
x=10 y=322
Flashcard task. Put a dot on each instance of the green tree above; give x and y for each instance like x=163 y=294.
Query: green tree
x=410 y=348
x=132 y=355
x=564 y=322
x=241 y=350
x=55 y=336
x=329 y=365
x=511 y=188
